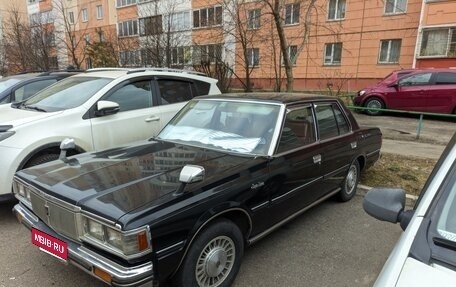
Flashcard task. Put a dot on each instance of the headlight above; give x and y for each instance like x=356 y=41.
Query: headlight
x=126 y=244
x=21 y=191
x=5 y=135
x=362 y=92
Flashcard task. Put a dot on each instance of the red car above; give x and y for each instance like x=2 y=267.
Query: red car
x=428 y=90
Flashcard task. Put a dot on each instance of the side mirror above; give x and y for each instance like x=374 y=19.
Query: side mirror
x=105 y=108
x=191 y=173
x=66 y=145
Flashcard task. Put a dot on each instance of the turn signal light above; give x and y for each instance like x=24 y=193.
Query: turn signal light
x=143 y=244
x=103 y=275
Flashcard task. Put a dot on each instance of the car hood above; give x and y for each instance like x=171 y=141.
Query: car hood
x=416 y=273
x=17 y=117
x=115 y=182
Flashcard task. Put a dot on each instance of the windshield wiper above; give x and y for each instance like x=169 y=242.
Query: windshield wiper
x=33 y=108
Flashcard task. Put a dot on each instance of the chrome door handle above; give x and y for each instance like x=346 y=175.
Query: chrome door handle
x=152 y=119
x=317 y=158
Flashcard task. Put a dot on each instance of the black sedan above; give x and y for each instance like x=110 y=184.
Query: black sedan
x=225 y=172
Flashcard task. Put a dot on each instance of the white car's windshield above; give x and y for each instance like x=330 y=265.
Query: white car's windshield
x=66 y=94
x=446 y=225
x=234 y=126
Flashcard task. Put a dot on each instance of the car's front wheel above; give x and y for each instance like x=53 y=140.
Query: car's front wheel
x=374 y=103
x=214 y=257
x=350 y=183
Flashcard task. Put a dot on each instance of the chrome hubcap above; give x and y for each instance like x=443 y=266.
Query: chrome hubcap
x=215 y=262
x=352 y=177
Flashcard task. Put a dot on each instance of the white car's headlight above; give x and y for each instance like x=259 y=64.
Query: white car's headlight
x=362 y=92
x=125 y=244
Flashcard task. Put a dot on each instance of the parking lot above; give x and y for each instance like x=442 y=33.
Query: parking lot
x=334 y=244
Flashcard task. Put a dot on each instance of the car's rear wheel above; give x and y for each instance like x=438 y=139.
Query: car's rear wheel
x=42 y=158
x=350 y=183
x=214 y=258
x=374 y=103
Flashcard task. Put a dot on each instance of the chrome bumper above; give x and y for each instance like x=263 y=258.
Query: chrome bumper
x=86 y=260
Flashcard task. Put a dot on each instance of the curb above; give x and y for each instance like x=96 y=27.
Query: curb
x=410 y=199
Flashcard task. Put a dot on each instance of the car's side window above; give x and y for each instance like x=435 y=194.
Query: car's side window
x=445 y=78
x=331 y=121
x=132 y=96
x=298 y=129
x=174 y=91
x=416 y=80
x=30 y=89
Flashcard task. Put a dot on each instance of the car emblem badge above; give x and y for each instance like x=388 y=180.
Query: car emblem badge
x=46 y=207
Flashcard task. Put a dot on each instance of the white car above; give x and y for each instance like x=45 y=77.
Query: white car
x=100 y=108
x=425 y=254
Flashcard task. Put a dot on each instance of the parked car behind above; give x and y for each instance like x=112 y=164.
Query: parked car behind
x=428 y=90
x=225 y=172
x=98 y=108
x=425 y=253
x=22 y=86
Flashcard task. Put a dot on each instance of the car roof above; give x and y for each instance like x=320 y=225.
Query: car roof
x=27 y=76
x=426 y=70
x=280 y=98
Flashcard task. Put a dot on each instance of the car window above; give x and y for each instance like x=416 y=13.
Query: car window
x=174 y=91
x=298 y=129
x=132 y=96
x=416 y=80
x=30 y=89
x=330 y=121
x=203 y=88
x=446 y=224
x=445 y=78
x=6 y=83
x=67 y=93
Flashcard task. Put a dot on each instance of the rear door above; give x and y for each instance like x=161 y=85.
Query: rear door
x=137 y=119
x=442 y=95
x=337 y=142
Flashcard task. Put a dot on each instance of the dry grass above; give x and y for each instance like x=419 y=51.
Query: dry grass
x=408 y=173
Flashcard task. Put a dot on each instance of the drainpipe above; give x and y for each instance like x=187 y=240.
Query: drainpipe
x=418 y=34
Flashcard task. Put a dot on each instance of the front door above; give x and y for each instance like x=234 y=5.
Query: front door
x=412 y=93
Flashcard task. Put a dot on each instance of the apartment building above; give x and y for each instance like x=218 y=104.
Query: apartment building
x=436 y=43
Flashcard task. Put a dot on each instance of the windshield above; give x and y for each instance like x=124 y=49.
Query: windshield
x=66 y=94
x=446 y=225
x=234 y=126
x=6 y=83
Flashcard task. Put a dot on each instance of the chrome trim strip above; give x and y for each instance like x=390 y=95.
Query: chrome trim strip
x=296 y=189
x=169 y=248
x=284 y=221
x=336 y=171
x=259 y=206
x=374 y=152
x=86 y=259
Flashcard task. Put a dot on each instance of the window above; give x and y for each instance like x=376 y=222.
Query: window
x=298 y=129
x=179 y=21
x=445 y=78
x=389 y=51
x=292 y=14
x=132 y=96
x=253 y=57
x=87 y=39
x=336 y=10
x=291 y=52
x=439 y=42
x=85 y=15
x=395 y=6
x=99 y=12
x=253 y=20
x=150 y=26
x=71 y=17
x=331 y=122
x=130 y=58
x=207 y=53
x=30 y=89
x=128 y=28
x=333 y=54
x=180 y=55
x=121 y=3
x=416 y=80
x=174 y=91
x=207 y=17
x=50 y=39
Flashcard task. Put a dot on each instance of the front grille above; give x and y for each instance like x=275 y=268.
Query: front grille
x=59 y=218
